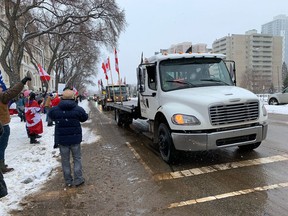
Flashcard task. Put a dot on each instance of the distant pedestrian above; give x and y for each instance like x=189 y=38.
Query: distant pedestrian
x=48 y=106
x=68 y=135
x=5 y=97
x=55 y=100
x=20 y=105
x=33 y=118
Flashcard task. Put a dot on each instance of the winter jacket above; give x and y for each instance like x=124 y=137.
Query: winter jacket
x=5 y=97
x=67 y=117
x=55 y=101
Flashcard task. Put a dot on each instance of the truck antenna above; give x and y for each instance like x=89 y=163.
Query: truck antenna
x=141 y=58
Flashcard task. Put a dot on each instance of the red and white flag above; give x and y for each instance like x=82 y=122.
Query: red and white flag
x=116 y=62
x=105 y=71
x=75 y=91
x=33 y=117
x=107 y=64
x=44 y=76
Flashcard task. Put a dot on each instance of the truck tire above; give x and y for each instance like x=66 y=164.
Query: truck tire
x=118 y=118
x=250 y=147
x=166 y=146
x=127 y=122
x=273 y=101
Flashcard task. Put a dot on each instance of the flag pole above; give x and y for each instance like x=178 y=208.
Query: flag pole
x=113 y=91
x=117 y=70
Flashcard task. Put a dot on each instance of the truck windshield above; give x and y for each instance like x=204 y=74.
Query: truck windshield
x=116 y=89
x=194 y=72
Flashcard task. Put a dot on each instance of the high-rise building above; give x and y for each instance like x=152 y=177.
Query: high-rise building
x=258 y=59
x=278 y=27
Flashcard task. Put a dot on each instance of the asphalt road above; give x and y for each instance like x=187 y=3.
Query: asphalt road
x=125 y=175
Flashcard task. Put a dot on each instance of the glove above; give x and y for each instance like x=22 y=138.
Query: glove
x=25 y=79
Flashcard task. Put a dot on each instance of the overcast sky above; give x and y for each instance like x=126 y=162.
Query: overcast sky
x=157 y=24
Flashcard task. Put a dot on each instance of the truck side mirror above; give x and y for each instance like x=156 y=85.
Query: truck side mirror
x=140 y=80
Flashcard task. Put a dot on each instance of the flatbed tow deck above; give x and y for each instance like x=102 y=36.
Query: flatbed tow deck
x=125 y=112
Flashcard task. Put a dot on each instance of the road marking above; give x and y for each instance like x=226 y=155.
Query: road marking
x=139 y=158
x=219 y=167
x=227 y=195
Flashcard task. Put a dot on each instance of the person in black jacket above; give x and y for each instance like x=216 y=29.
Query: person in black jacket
x=68 y=135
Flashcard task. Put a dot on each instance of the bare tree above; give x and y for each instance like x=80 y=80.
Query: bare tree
x=28 y=20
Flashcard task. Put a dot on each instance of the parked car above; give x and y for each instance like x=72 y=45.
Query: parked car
x=279 y=97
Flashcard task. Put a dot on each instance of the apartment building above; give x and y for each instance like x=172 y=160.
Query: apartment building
x=258 y=59
x=278 y=27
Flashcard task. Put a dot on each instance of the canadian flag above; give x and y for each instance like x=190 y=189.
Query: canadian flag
x=44 y=76
x=33 y=117
x=116 y=62
x=105 y=71
x=107 y=64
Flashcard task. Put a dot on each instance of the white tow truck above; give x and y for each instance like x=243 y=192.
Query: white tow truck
x=192 y=103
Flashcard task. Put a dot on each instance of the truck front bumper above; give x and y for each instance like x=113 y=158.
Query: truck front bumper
x=222 y=139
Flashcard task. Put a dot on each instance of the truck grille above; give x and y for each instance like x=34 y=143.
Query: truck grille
x=234 y=113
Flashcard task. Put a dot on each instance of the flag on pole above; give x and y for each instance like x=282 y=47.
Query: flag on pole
x=107 y=64
x=2 y=82
x=105 y=71
x=116 y=62
x=44 y=76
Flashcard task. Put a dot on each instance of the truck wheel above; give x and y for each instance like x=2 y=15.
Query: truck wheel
x=250 y=147
x=273 y=101
x=118 y=117
x=166 y=146
x=128 y=122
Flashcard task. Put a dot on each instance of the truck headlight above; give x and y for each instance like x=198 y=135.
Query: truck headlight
x=181 y=119
x=264 y=110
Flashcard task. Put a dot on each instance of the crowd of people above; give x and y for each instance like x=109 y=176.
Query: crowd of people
x=61 y=110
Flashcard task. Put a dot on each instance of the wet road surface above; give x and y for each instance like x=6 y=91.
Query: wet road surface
x=125 y=175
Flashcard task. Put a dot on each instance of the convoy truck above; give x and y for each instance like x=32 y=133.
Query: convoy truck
x=114 y=93
x=192 y=103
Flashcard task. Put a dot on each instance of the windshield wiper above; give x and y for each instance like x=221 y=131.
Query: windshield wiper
x=181 y=82
x=215 y=80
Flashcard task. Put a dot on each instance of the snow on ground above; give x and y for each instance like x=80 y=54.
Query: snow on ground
x=35 y=164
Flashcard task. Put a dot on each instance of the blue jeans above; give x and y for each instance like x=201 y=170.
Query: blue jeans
x=66 y=166
x=47 y=109
x=4 y=141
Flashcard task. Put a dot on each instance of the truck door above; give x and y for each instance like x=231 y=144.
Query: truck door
x=148 y=95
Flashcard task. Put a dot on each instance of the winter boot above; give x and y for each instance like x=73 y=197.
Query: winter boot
x=33 y=139
x=4 y=168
